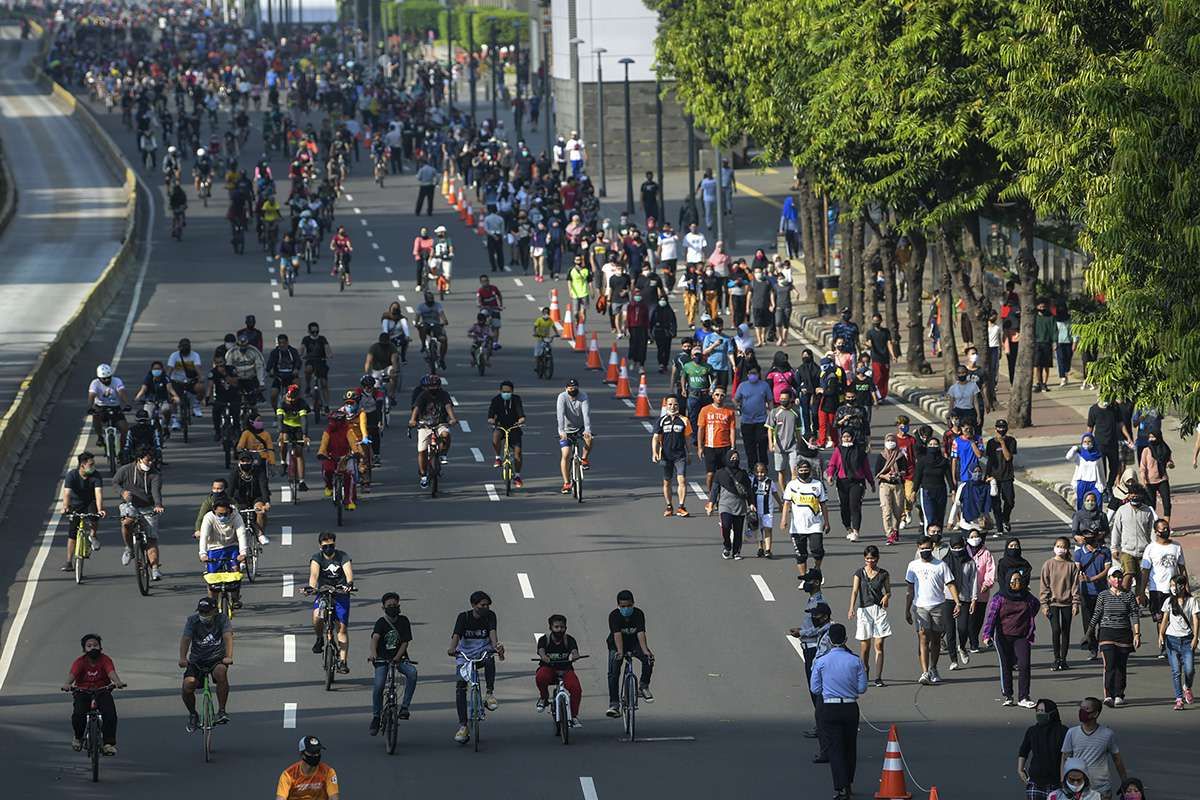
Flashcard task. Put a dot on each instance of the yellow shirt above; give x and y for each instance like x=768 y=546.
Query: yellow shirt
x=270 y=211
x=543 y=328
x=259 y=443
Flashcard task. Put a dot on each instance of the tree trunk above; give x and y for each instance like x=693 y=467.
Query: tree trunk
x=887 y=257
x=972 y=249
x=914 y=277
x=858 y=275
x=846 y=276
x=946 y=302
x=960 y=271
x=807 y=240
x=1020 y=406
x=816 y=216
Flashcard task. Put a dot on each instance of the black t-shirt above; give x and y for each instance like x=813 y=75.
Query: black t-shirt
x=392 y=633
x=997 y=466
x=878 y=339
x=629 y=627
x=559 y=652
x=1103 y=422
x=332 y=571
x=470 y=626
x=506 y=412
x=314 y=348
x=619 y=284
x=82 y=491
x=651 y=287
x=381 y=355
x=431 y=406
x=760 y=294
x=864 y=392
x=225 y=391
x=674 y=436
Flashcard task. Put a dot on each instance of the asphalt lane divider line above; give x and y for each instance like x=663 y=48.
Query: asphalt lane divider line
x=763 y=589
x=649 y=428
x=492 y=494
x=507 y=530
x=289 y=715
x=466 y=426
x=388 y=270
x=628 y=403
x=477 y=455
x=357 y=210
x=395 y=284
x=698 y=490
x=454 y=401
x=381 y=258
x=289 y=648
x=289 y=585
x=285 y=536
x=285 y=494
x=526 y=586
x=796 y=645
x=588 y=786
x=274 y=295
x=276 y=308
x=518 y=282
x=530 y=298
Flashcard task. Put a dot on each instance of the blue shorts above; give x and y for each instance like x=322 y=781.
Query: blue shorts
x=341 y=607
x=222 y=559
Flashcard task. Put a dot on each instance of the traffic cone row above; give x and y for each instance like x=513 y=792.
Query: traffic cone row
x=622 y=392
x=614 y=371
x=555 y=313
x=580 y=343
x=568 y=326
x=642 y=410
x=593 y=356
x=470 y=219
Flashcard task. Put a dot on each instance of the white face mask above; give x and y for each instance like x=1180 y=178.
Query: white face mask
x=1060 y=551
x=973 y=357
x=890 y=445
x=1074 y=787
x=974 y=541
x=143 y=467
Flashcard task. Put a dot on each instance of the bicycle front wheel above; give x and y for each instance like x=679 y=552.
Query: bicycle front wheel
x=562 y=712
x=141 y=566
x=93 y=746
x=208 y=720
x=391 y=722
x=630 y=706
x=577 y=479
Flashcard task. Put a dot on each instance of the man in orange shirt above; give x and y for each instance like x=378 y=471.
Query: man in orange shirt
x=308 y=778
x=716 y=430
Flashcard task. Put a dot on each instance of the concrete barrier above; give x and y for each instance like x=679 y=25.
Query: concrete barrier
x=18 y=427
x=8 y=192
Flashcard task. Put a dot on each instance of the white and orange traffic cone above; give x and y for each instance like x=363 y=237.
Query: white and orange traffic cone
x=623 y=392
x=568 y=327
x=891 y=780
x=614 y=371
x=593 y=356
x=933 y=795
x=580 y=343
x=643 y=400
x=470 y=219
x=555 y=313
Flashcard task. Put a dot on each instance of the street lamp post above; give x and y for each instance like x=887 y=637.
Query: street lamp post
x=658 y=141
x=494 y=54
x=600 y=51
x=471 y=62
x=628 y=141
x=517 y=106
x=449 y=59
x=578 y=91
x=548 y=110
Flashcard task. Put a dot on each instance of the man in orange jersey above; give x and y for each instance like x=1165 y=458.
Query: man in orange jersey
x=308 y=778
x=716 y=430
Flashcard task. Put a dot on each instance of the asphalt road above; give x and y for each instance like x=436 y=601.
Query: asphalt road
x=731 y=697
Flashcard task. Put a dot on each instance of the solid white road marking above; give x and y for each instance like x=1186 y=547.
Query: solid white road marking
x=763 y=589
x=351 y=199
x=466 y=426
x=285 y=538
x=278 y=323
x=289 y=715
x=285 y=494
x=395 y=284
x=589 y=789
x=526 y=586
x=699 y=490
x=289 y=648
x=454 y=401
x=518 y=282
x=491 y=492
x=274 y=281
x=402 y=299
x=796 y=645
x=649 y=428
x=628 y=402
x=530 y=298
x=364 y=222
x=507 y=530
x=381 y=258
x=477 y=454
x=409 y=309
x=357 y=210
x=289 y=585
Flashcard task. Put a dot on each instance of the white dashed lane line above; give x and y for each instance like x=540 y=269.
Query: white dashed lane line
x=277 y=308
x=763 y=589
x=518 y=282
x=589 y=789
x=526 y=586
x=395 y=284
x=477 y=455
x=649 y=428
x=289 y=648
x=285 y=538
x=289 y=585
x=357 y=210
x=530 y=298
x=381 y=258
x=699 y=490
x=388 y=270
x=454 y=401
x=466 y=426
x=289 y=715
x=507 y=530
x=278 y=323
x=274 y=295
x=490 y=488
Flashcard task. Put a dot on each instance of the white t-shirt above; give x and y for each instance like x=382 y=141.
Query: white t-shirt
x=175 y=366
x=669 y=246
x=1164 y=562
x=995 y=332
x=695 y=247
x=1177 y=625
x=806 y=498
x=107 y=395
x=574 y=149
x=929 y=579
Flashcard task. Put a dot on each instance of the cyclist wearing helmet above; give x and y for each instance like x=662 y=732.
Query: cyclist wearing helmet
x=383 y=360
x=170 y=166
x=371 y=401
x=339 y=440
x=291 y=412
x=247 y=363
x=106 y=398
x=432 y=414
x=140 y=436
x=481 y=332
x=93 y=670
x=202 y=169
x=431 y=322
x=308 y=229
x=443 y=251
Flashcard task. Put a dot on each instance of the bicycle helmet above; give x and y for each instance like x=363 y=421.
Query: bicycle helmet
x=292 y=390
x=104 y=371
x=87 y=637
x=172 y=150
x=482 y=316
x=440 y=229
x=200 y=152
x=305 y=214
x=142 y=415
x=367 y=382
x=243 y=339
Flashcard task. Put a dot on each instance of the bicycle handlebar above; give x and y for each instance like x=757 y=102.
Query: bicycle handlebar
x=380 y=661
x=572 y=660
x=342 y=589
x=82 y=690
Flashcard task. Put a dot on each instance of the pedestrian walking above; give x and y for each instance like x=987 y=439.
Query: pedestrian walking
x=1076 y=785
x=1104 y=422
x=1088 y=476
x=1153 y=464
x=932 y=479
x=1179 y=635
x=669 y=448
x=1089 y=520
x=1045 y=332
x=839 y=678
x=716 y=430
x=849 y=470
x=1064 y=343
x=804 y=501
x=883 y=349
x=908 y=444
x=972 y=502
x=870 y=595
x=1010 y=623
x=1012 y=561
x=929 y=583
x=789 y=226
x=965 y=398
x=1118 y=633
x=890 y=467
x=1040 y=754
x=1131 y=528
x=663 y=327
x=1131 y=789
x=1094 y=560
x=958 y=628
x=1087 y=747
x=999 y=454
x=767 y=502
x=1162 y=561
x=985 y=579
x=730 y=497
x=753 y=401
x=1060 y=578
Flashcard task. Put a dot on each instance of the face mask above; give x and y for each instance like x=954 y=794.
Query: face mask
x=392 y=611
x=1085 y=716
x=328 y=549
x=1042 y=717
x=973 y=357
x=752 y=378
x=626 y=612
x=207 y=618
x=106 y=381
x=506 y=395
x=1090 y=506
x=143 y=467
x=662 y=303
x=1072 y=785
x=962 y=378
x=1174 y=590
x=1015 y=552
x=313 y=332
x=311 y=760
x=927 y=555
x=1060 y=551
x=957 y=549
x=974 y=541
x=637 y=298
x=93 y=654
x=698 y=357
x=904 y=429
x=889 y=445
x=933 y=445
x=183 y=351
x=224 y=518
x=573 y=392
x=806 y=358
x=157 y=373
x=87 y=470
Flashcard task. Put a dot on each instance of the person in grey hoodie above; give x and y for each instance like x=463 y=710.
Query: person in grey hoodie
x=962 y=565
x=1076 y=785
x=1132 y=526
x=140 y=485
x=574 y=417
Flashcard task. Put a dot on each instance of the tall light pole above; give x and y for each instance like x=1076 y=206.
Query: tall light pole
x=494 y=55
x=658 y=141
x=628 y=141
x=449 y=58
x=578 y=92
x=472 y=65
x=517 y=106
x=600 y=51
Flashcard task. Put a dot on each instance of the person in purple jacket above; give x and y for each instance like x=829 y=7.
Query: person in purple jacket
x=1010 y=622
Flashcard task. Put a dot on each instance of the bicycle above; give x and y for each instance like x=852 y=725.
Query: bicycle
x=81 y=521
x=254 y=549
x=575 y=472
x=93 y=738
x=110 y=435
x=343 y=275
x=183 y=412
x=560 y=704
x=481 y=354
x=208 y=712
x=325 y=607
x=507 y=468
x=389 y=715
x=177 y=222
x=225 y=587
x=433 y=350
x=290 y=458
x=380 y=171
x=310 y=253
x=205 y=190
x=340 y=489
x=239 y=237
x=229 y=434
x=543 y=364
x=287 y=266
x=138 y=537
x=476 y=711
x=433 y=460
x=270 y=235
x=629 y=697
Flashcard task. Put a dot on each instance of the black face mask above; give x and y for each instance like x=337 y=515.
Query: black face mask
x=329 y=549
x=183 y=351
x=94 y=655
x=311 y=759
x=392 y=611
x=573 y=392
x=1015 y=552
x=313 y=332
x=927 y=555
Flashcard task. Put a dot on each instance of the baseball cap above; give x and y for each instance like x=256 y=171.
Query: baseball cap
x=573 y=384
x=822 y=609
x=206 y=604
x=310 y=744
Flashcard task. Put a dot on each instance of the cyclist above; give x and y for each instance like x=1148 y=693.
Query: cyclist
x=327 y=568
x=481 y=334
x=491 y=302
x=627 y=635
x=83 y=493
x=158 y=395
x=93 y=670
x=225 y=395
x=431 y=324
x=558 y=652
x=443 y=251
x=250 y=488
x=170 y=166
x=383 y=360
x=432 y=414
x=370 y=400
x=389 y=642
x=422 y=249
x=256 y=439
x=206 y=648
x=142 y=435
x=308 y=232
x=202 y=169
x=268 y=214
x=308 y=778
x=474 y=634
x=239 y=209
x=183 y=368
x=340 y=439
x=291 y=412
x=288 y=252
x=247 y=363
x=544 y=332
x=282 y=365
x=317 y=354
x=574 y=418
x=106 y=398
x=223 y=544
x=507 y=411
x=178 y=202
x=342 y=249
x=395 y=325
x=140 y=485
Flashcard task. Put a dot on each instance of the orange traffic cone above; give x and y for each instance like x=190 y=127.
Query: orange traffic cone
x=580 y=343
x=613 y=370
x=643 y=399
x=461 y=200
x=593 y=356
x=568 y=327
x=479 y=229
x=555 y=314
x=891 y=781
x=462 y=207
x=933 y=795
x=623 y=392
x=470 y=216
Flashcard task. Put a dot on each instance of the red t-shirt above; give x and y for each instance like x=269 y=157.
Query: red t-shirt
x=489 y=296
x=89 y=674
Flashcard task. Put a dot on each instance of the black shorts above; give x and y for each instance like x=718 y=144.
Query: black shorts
x=283 y=380
x=295 y=435
x=319 y=367
x=673 y=467
x=514 y=437
x=197 y=670
x=808 y=544
x=184 y=386
x=714 y=458
x=1043 y=355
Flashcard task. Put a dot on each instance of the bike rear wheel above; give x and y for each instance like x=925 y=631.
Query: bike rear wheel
x=338 y=497
x=477 y=717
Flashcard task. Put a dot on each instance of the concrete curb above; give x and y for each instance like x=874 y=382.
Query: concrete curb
x=18 y=427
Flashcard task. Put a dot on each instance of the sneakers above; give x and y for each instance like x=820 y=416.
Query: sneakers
x=934 y=678
x=541 y=704
x=67 y=567
x=126 y=557
x=76 y=744
x=263 y=540
x=196 y=412
x=852 y=536
x=222 y=717
x=1118 y=701
x=373 y=728
x=953 y=665
x=351 y=506
x=725 y=554
x=425 y=482
x=1008 y=701
x=94 y=542
x=893 y=538
x=566 y=488
x=518 y=482
x=175 y=426
x=319 y=646
x=737 y=556
x=1188 y=697
x=613 y=711
x=462 y=736
x=1025 y=702
x=404 y=713
x=645 y=693
x=155 y=574
x=328 y=492
x=343 y=668
x=1108 y=701
x=964 y=657
x=496 y=461
x=193 y=722
x=668 y=512
x=490 y=702
x=682 y=512
x=584 y=464
x=1177 y=707
x=879 y=683
x=303 y=486
x=574 y=723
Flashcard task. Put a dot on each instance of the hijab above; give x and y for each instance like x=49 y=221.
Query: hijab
x=780 y=363
x=1160 y=451
x=890 y=458
x=1045 y=740
x=852 y=459
x=971 y=549
x=1015 y=594
x=1088 y=455
x=1008 y=564
x=789 y=209
x=976 y=499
